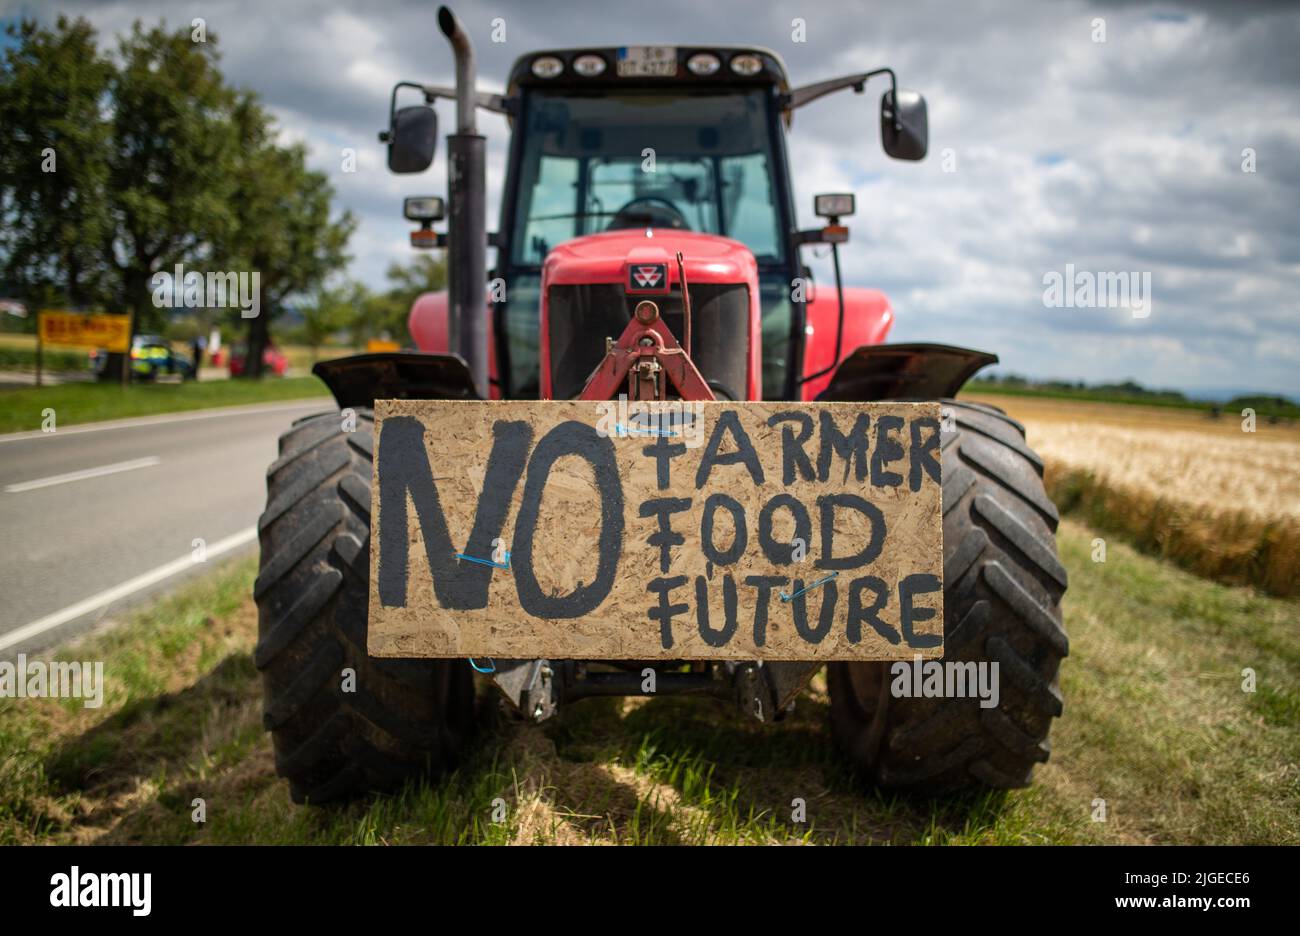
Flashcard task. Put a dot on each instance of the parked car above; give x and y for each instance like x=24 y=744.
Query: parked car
x=151 y=357
x=274 y=362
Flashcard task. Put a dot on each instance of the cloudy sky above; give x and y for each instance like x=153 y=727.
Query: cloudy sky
x=1047 y=147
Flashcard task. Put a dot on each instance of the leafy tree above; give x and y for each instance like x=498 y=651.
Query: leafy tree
x=160 y=163
x=379 y=315
x=387 y=312
x=425 y=273
x=282 y=228
x=330 y=311
x=173 y=156
x=53 y=165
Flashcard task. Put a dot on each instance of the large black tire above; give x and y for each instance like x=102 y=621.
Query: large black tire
x=404 y=717
x=1003 y=585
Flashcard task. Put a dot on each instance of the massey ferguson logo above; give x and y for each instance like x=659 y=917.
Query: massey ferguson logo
x=648 y=276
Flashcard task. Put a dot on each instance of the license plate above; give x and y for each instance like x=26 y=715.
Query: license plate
x=647 y=62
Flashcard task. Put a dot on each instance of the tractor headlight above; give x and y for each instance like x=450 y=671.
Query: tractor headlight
x=547 y=66
x=423 y=208
x=833 y=206
x=588 y=66
x=746 y=65
x=703 y=64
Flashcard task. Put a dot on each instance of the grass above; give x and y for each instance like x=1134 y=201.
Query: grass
x=301 y=357
x=12 y=358
x=1156 y=723
x=19 y=340
x=23 y=409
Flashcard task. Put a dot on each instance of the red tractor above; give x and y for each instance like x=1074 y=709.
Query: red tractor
x=647 y=245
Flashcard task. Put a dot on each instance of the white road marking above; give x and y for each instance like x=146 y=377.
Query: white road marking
x=117 y=592
x=147 y=462
x=165 y=418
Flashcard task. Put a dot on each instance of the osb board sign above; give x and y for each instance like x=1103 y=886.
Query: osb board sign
x=584 y=530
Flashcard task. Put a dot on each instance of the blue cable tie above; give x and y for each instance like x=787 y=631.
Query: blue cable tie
x=819 y=582
x=637 y=430
x=486 y=562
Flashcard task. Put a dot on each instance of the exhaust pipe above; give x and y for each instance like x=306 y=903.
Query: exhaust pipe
x=466 y=70
x=467 y=214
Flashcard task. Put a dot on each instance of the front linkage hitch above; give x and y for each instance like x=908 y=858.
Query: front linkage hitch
x=764 y=691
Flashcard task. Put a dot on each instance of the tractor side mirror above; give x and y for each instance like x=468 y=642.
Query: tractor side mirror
x=411 y=138
x=904 y=129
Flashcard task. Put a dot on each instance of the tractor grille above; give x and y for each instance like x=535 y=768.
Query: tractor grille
x=582 y=317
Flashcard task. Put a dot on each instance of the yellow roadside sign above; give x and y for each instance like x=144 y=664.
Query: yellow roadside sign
x=110 y=332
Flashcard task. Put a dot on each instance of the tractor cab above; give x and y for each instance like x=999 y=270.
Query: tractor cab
x=642 y=152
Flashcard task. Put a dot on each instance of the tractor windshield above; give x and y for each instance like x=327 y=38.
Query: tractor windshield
x=698 y=161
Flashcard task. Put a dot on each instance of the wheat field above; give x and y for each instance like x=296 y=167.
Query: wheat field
x=1220 y=501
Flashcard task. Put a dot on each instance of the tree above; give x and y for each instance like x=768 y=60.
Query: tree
x=173 y=157
x=387 y=312
x=330 y=311
x=423 y=274
x=53 y=165
x=282 y=230
x=160 y=163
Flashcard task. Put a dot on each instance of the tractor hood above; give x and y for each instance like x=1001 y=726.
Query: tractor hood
x=591 y=285
x=645 y=260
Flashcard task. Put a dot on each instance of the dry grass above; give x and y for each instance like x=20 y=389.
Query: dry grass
x=1220 y=502
x=1242 y=474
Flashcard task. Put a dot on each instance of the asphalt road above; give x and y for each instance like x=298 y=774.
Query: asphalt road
x=95 y=519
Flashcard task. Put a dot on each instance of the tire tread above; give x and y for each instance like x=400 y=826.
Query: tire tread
x=1003 y=583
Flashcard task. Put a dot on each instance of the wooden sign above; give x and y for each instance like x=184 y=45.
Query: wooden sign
x=110 y=332
x=690 y=531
